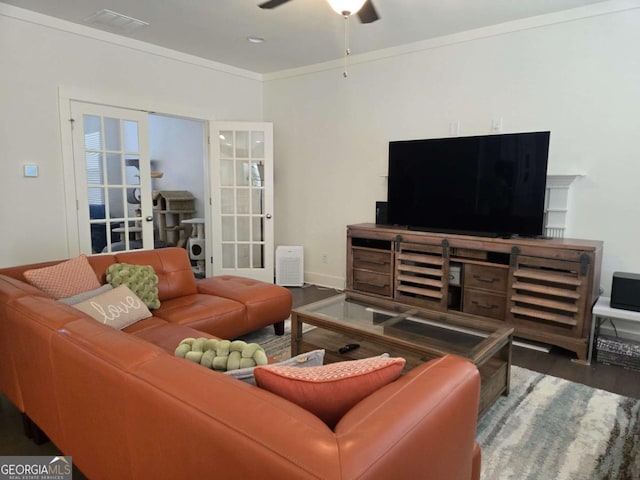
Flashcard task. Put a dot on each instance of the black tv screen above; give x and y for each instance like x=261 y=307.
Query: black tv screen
x=488 y=185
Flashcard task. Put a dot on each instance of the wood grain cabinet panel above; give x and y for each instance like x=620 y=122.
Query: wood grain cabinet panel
x=372 y=282
x=484 y=304
x=372 y=270
x=543 y=288
x=486 y=278
x=372 y=260
x=550 y=294
x=419 y=275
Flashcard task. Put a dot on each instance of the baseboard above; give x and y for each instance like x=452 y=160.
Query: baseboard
x=532 y=345
x=323 y=280
x=628 y=330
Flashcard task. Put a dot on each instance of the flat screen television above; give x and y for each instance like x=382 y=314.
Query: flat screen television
x=490 y=185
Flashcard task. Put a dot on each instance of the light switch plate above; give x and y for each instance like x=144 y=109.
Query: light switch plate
x=30 y=170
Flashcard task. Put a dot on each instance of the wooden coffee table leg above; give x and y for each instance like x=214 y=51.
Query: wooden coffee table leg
x=296 y=334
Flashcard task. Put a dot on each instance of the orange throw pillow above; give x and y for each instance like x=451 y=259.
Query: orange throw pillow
x=331 y=390
x=65 y=278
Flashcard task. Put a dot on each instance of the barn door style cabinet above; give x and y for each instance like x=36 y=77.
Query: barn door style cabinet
x=543 y=288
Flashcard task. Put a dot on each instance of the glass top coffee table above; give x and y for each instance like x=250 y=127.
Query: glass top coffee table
x=402 y=331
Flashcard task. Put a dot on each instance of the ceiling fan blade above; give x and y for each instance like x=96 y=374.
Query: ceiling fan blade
x=368 y=14
x=272 y=3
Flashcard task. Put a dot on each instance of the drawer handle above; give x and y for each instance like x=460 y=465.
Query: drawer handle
x=485 y=279
x=486 y=306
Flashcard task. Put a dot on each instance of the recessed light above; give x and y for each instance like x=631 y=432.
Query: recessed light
x=253 y=39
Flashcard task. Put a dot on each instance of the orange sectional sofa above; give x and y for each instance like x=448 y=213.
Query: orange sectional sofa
x=125 y=407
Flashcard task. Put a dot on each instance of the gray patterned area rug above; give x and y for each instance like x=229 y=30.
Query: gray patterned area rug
x=546 y=429
x=276 y=347
x=550 y=428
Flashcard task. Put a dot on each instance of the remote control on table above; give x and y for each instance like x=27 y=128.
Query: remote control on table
x=348 y=347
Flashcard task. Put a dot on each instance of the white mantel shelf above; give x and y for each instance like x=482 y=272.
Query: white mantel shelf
x=562 y=181
x=556 y=203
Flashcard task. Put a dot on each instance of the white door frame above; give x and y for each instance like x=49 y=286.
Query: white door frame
x=259 y=208
x=144 y=221
x=65 y=96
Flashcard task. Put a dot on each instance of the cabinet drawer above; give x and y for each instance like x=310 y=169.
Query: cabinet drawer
x=485 y=277
x=375 y=261
x=484 y=304
x=372 y=282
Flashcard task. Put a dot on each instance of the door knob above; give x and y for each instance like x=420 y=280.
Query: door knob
x=149 y=218
x=268 y=215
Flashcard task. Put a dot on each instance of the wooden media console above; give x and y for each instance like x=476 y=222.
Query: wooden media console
x=543 y=288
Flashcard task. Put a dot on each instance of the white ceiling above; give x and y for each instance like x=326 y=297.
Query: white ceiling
x=299 y=33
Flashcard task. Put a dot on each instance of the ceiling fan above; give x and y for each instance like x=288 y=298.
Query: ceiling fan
x=364 y=9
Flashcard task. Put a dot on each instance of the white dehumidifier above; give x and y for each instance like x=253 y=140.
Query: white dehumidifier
x=290 y=266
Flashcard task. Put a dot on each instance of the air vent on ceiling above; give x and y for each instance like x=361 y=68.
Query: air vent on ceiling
x=116 y=22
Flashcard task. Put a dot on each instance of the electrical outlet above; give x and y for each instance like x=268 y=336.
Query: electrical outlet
x=325 y=258
x=496 y=125
x=454 y=128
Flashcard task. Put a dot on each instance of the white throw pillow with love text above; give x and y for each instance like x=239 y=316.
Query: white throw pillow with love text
x=117 y=308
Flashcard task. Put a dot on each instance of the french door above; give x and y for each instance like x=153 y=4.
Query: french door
x=242 y=199
x=112 y=178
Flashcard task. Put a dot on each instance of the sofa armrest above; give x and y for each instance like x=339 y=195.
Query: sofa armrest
x=423 y=424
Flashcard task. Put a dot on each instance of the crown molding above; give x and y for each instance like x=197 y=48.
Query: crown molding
x=54 y=23
x=564 y=16
x=579 y=13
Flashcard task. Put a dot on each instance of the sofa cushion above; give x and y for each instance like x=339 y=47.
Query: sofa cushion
x=166 y=336
x=331 y=390
x=172 y=265
x=100 y=263
x=314 y=358
x=11 y=287
x=65 y=278
x=266 y=303
x=117 y=308
x=141 y=279
x=218 y=316
x=146 y=324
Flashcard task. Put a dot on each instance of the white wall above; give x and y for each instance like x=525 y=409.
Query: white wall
x=177 y=150
x=577 y=77
x=38 y=55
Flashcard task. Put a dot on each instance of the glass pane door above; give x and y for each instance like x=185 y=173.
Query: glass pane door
x=114 y=186
x=243 y=200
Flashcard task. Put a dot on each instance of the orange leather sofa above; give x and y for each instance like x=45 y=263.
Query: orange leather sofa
x=125 y=407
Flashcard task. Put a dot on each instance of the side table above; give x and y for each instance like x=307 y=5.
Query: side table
x=602 y=311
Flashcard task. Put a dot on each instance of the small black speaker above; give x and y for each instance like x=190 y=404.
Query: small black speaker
x=625 y=291
x=381 y=213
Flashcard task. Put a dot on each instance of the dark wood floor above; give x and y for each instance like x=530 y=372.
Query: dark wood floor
x=557 y=362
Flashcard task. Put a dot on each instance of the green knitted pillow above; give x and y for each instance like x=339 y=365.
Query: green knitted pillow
x=221 y=355
x=141 y=279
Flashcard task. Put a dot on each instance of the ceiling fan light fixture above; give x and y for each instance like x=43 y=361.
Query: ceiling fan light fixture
x=346 y=7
